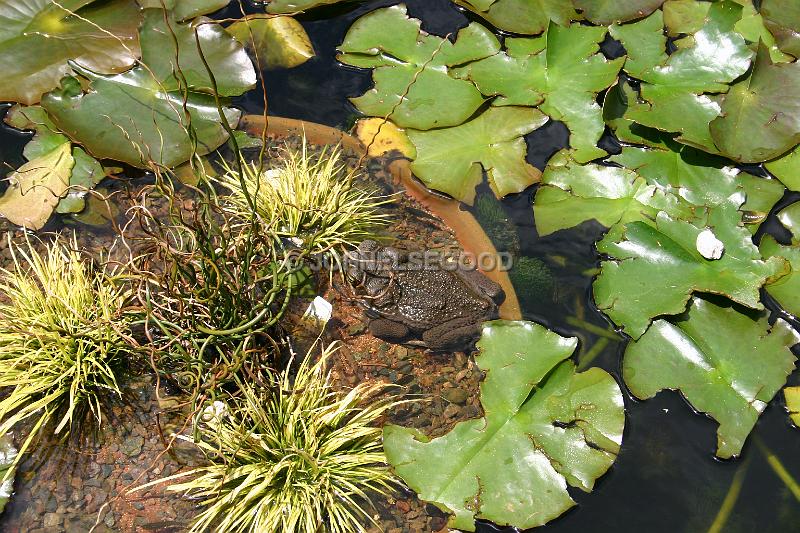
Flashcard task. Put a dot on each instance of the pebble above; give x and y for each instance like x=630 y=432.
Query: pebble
x=458 y=396
x=132 y=446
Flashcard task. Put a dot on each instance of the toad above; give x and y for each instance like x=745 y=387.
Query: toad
x=414 y=301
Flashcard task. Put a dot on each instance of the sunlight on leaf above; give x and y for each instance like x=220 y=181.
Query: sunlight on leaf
x=561 y=72
x=725 y=363
x=545 y=426
x=792 y=396
x=293 y=6
x=452 y=160
x=36 y=187
x=655 y=267
x=606 y=12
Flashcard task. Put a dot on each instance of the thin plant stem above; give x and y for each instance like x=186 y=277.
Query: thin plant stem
x=591 y=328
x=730 y=500
x=593 y=352
x=778 y=468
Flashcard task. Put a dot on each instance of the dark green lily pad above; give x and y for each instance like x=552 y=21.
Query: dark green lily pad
x=233 y=71
x=655 y=267
x=786 y=290
x=400 y=53
x=566 y=425
x=283 y=7
x=529 y=17
x=37 y=38
x=761 y=114
x=453 y=160
x=561 y=72
x=138 y=119
x=606 y=12
x=782 y=17
x=184 y=10
x=725 y=363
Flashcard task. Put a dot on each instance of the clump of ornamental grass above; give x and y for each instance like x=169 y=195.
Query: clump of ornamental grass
x=212 y=288
x=296 y=456
x=63 y=339
x=310 y=200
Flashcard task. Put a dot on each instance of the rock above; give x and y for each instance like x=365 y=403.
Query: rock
x=132 y=446
x=457 y=396
x=51 y=520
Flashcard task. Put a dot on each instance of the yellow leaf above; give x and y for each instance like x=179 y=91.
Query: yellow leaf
x=280 y=42
x=792 y=395
x=36 y=187
x=381 y=137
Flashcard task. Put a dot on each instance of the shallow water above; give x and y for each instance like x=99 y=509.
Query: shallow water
x=666 y=478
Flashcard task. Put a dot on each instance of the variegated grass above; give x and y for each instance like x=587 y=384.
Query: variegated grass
x=63 y=338
x=296 y=457
x=310 y=200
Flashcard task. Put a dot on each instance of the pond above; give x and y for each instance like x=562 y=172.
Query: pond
x=667 y=475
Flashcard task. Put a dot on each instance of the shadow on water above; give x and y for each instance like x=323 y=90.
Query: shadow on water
x=665 y=478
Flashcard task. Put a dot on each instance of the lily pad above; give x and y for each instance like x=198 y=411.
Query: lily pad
x=233 y=71
x=452 y=160
x=278 y=42
x=606 y=12
x=675 y=85
x=726 y=363
x=186 y=9
x=787 y=169
x=136 y=118
x=786 y=290
x=36 y=187
x=561 y=72
x=792 y=396
x=295 y=6
x=545 y=426
x=37 y=38
x=702 y=179
x=87 y=171
x=619 y=98
x=412 y=83
x=761 y=114
x=782 y=17
x=530 y=17
x=655 y=267
x=571 y=194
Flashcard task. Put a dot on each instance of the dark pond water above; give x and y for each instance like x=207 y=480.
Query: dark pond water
x=666 y=478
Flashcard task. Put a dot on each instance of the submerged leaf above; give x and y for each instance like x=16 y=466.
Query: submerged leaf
x=38 y=37
x=561 y=72
x=545 y=426
x=452 y=160
x=655 y=268
x=606 y=12
x=279 y=42
x=36 y=187
x=529 y=17
x=412 y=83
x=761 y=114
x=725 y=363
